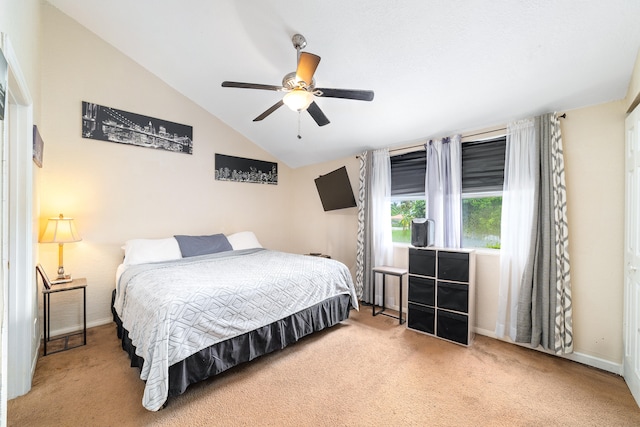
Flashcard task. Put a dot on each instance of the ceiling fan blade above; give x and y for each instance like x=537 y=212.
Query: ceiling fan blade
x=359 y=95
x=317 y=114
x=251 y=86
x=307 y=65
x=270 y=110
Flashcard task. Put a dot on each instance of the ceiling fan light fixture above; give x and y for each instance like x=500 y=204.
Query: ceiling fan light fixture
x=298 y=99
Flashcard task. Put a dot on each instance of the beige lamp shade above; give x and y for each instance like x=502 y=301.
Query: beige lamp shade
x=60 y=230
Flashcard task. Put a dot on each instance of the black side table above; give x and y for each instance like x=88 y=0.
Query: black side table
x=49 y=289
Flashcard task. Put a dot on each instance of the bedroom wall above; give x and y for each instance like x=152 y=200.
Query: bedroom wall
x=315 y=230
x=633 y=92
x=117 y=192
x=594 y=166
x=594 y=146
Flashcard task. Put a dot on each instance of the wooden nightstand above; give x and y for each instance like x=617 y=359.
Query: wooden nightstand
x=49 y=289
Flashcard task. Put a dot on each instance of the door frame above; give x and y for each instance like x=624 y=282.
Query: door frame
x=20 y=327
x=631 y=319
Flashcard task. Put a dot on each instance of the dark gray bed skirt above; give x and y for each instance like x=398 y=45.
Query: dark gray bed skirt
x=227 y=354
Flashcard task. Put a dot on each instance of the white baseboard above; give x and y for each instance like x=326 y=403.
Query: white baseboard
x=585 y=359
x=70 y=329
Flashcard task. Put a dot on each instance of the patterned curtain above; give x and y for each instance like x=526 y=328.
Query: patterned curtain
x=544 y=305
x=374 y=245
x=362 y=252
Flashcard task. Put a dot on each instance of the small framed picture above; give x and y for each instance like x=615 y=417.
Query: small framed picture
x=38 y=147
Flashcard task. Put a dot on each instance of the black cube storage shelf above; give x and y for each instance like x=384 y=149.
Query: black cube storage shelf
x=441 y=298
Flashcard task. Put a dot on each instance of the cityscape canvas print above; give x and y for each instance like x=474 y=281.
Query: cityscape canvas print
x=108 y=124
x=239 y=169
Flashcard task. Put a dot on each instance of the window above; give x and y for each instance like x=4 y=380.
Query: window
x=407 y=193
x=481 y=215
x=482 y=181
x=403 y=211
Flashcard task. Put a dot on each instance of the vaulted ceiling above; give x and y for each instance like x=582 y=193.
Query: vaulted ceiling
x=437 y=67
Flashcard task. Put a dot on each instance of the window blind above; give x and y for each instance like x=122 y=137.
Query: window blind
x=408 y=173
x=482 y=169
x=483 y=165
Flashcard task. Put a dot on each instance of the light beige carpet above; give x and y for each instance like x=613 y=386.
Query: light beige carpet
x=365 y=371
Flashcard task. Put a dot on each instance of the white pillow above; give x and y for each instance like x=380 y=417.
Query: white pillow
x=141 y=251
x=243 y=240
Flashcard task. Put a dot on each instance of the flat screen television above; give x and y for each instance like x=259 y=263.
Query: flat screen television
x=335 y=190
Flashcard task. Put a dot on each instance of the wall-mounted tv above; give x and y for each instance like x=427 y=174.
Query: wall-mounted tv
x=335 y=190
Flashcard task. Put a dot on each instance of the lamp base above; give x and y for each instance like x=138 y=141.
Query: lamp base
x=59 y=281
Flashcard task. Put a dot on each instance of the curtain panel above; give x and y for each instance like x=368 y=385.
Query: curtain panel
x=518 y=206
x=363 y=253
x=545 y=303
x=444 y=189
x=535 y=287
x=374 y=245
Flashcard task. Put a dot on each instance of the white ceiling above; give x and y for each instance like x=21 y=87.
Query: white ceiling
x=436 y=66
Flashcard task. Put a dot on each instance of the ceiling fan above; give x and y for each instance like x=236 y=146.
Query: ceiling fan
x=300 y=87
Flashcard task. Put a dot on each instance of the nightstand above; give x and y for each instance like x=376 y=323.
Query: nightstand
x=318 y=254
x=47 y=290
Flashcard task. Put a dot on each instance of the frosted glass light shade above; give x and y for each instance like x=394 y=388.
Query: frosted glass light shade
x=298 y=99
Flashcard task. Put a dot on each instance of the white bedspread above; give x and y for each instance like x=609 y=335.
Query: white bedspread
x=176 y=308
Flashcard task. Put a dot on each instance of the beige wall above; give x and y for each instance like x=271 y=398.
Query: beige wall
x=594 y=144
x=20 y=20
x=633 y=93
x=594 y=165
x=117 y=192
x=593 y=140
x=334 y=232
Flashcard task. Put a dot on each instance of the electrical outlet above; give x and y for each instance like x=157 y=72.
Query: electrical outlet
x=36 y=331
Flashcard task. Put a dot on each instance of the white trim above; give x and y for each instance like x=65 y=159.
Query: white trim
x=585 y=359
x=4 y=262
x=78 y=328
x=481 y=194
x=22 y=308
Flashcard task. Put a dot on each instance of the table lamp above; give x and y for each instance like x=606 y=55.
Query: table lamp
x=60 y=230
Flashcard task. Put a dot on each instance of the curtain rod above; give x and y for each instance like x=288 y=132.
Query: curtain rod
x=562 y=116
x=463 y=136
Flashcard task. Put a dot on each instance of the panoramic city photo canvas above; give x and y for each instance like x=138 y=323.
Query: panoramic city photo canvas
x=108 y=124
x=239 y=169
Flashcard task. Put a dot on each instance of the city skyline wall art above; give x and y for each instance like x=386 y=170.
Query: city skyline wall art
x=240 y=169
x=123 y=127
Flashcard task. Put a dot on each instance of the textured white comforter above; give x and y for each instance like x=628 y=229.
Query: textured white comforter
x=177 y=308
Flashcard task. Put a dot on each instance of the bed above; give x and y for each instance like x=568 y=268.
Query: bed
x=185 y=315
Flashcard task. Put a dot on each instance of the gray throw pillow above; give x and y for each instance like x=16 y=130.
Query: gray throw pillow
x=203 y=245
